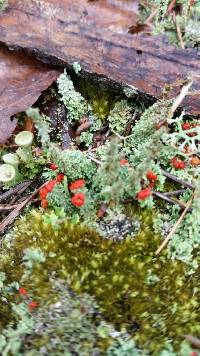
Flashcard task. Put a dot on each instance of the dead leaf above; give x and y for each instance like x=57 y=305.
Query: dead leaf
x=22 y=81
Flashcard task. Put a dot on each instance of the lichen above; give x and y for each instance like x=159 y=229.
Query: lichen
x=119 y=116
x=75 y=103
x=70 y=324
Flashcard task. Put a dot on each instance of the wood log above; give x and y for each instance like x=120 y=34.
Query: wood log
x=96 y=35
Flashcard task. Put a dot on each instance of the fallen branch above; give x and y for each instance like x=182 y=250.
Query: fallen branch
x=175 y=226
x=92 y=37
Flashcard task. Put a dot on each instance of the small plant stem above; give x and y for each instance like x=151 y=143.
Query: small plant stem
x=175 y=226
x=122 y=138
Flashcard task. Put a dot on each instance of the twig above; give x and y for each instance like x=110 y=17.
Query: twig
x=194 y=92
x=8 y=206
x=20 y=191
x=175 y=226
x=181 y=96
x=177 y=180
x=151 y=17
x=175 y=192
x=97 y=161
x=180 y=201
x=14 y=214
x=15 y=190
x=169 y=200
x=4 y=207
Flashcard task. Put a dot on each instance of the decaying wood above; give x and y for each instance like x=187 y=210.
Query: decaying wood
x=64 y=31
x=22 y=79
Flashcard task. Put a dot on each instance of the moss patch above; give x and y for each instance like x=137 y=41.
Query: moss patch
x=151 y=297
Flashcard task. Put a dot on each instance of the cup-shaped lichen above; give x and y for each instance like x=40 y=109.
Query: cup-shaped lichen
x=24 y=139
x=7 y=173
x=12 y=159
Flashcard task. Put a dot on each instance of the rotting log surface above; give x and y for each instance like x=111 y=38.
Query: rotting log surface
x=22 y=79
x=95 y=35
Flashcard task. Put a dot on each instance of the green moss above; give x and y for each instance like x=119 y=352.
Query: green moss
x=100 y=99
x=151 y=297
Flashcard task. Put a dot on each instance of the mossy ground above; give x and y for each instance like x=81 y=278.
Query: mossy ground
x=153 y=298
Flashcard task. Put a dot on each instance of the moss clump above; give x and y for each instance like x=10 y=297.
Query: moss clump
x=152 y=298
x=100 y=99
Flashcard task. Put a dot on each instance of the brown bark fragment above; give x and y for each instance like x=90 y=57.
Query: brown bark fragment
x=22 y=80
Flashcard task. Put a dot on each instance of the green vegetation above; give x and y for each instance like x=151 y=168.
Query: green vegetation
x=148 y=296
x=184 y=15
x=88 y=252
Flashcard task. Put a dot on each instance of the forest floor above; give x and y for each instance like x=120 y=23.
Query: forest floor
x=100 y=193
